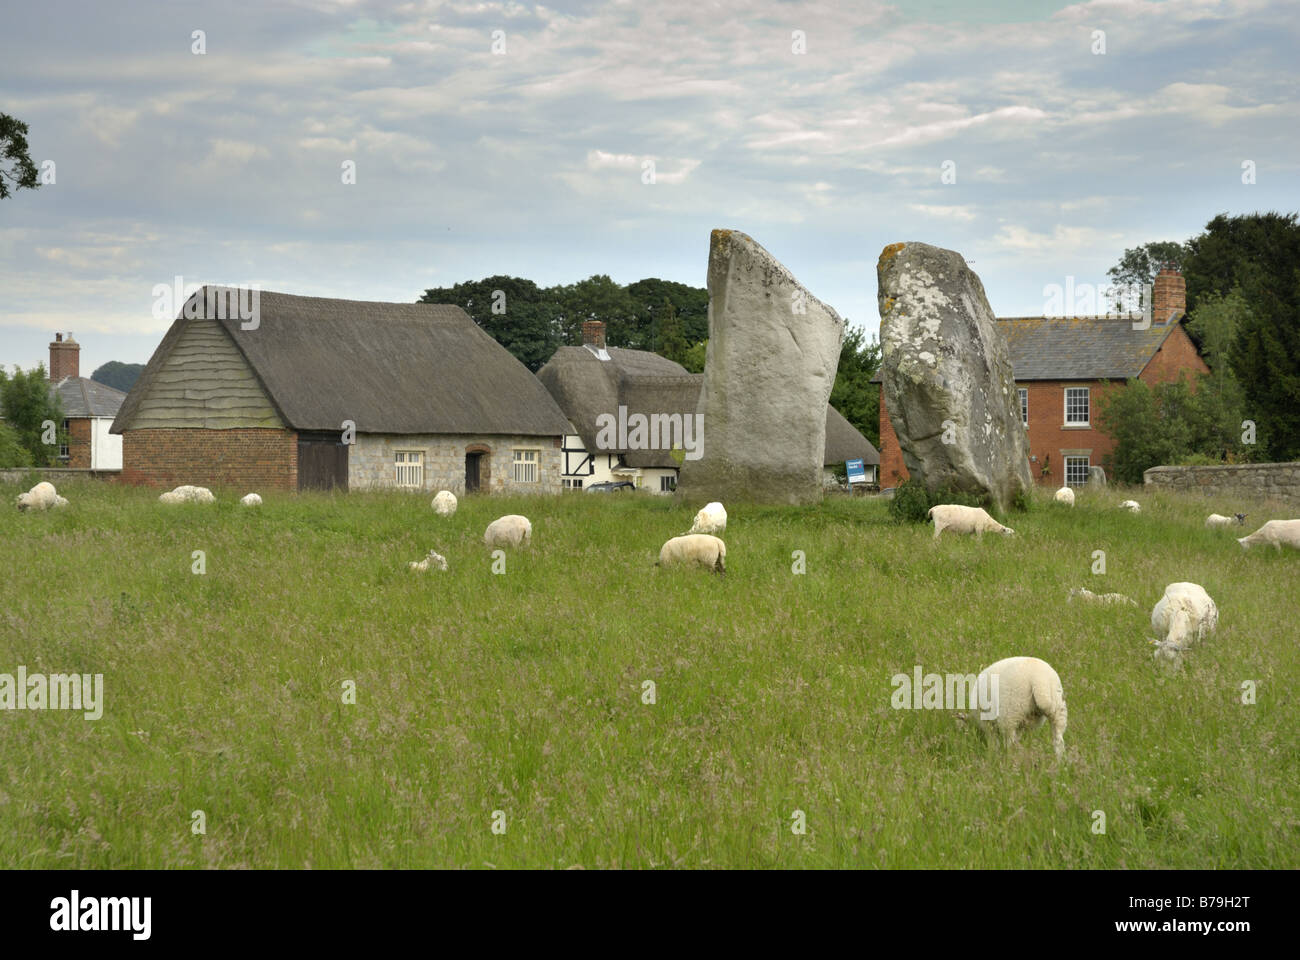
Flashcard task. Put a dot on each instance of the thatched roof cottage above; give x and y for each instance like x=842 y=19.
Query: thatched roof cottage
x=598 y=386
x=317 y=393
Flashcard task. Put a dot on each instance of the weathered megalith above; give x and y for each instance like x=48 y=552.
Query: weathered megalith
x=1096 y=477
x=947 y=376
x=768 y=372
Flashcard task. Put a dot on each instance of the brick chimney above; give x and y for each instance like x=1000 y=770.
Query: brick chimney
x=593 y=334
x=64 y=358
x=1168 y=296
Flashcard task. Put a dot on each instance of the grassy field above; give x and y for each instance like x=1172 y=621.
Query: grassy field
x=523 y=692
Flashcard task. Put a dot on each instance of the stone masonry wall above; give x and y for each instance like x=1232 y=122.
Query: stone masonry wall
x=372 y=462
x=1276 y=481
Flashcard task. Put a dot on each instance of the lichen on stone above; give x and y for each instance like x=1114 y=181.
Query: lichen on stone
x=890 y=252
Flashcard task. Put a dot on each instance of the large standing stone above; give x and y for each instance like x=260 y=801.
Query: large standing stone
x=768 y=372
x=947 y=376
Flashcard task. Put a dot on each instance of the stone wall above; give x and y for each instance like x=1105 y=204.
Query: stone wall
x=372 y=462
x=1274 y=481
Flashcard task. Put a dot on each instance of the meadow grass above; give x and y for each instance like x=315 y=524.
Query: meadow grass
x=523 y=692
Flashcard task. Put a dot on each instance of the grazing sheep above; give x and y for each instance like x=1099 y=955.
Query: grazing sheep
x=1028 y=692
x=1219 y=520
x=712 y=518
x=1276 y=532
x=959 y=519
x=251 y=500
x=60 y=501
x=1083 y=593
x=1130 y=505
x=1167 y=653
x=43 y=496
x=702 y=548
x=187 y=494
x=437 y=561
x=444 y=503
x=1184 y=615
x=511 y=531
x=1065 y=495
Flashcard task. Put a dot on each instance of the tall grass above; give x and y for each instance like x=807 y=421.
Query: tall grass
x=523 y=692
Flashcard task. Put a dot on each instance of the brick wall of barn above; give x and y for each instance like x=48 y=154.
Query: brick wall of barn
x=244 y=458
x=372 y=462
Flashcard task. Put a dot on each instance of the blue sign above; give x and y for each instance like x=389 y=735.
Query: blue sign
x=856 y=470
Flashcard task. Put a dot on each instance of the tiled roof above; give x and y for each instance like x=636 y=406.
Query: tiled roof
x=1078 y=348
x=87 y=398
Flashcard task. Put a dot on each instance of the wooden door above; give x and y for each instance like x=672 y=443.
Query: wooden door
x=322 y=462
x=471 y=472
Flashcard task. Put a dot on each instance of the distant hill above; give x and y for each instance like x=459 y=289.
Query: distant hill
x=120 y=376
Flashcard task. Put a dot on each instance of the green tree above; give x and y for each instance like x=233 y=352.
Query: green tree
x=16 y=166
x=119 y=376
x=513 y=311
x=1146 y=434
x=1214 y=325
x=672 y=335
x=599 y=298
x=1139 y=265
x=854 y=395
x=690 y=303
x=27 y=403
x=12 y=451
x=695 y=356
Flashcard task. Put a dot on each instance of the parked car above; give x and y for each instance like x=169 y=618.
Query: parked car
x=610 y=486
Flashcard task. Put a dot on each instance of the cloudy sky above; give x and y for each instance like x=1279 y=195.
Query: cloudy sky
x=227 y=166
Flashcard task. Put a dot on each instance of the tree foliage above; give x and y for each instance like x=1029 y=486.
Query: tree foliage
x=1139 y=265
x=854 y=395
x=27 y=401
x=12 y=451
x=17 y=171
x=118 y=375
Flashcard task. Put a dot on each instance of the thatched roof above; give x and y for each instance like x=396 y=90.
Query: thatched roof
x=404 y=368
x=586 y=387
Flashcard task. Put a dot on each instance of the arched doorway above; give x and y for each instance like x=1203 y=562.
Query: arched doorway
x=478 y=468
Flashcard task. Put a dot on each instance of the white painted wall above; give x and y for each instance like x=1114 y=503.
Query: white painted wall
x=105 y=447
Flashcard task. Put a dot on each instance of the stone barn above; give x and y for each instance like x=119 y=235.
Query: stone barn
x=313 y=393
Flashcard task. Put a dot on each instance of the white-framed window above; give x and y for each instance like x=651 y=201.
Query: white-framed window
x=409 y=468
x=571 y=483
x=63 y=447
x=1024 y=405
x=667 y=483
x=1076 y=471
x=524 y=466
x=1076 y=406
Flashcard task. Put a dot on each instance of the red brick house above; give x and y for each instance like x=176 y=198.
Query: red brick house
x=1062 y=365
x=88 y=411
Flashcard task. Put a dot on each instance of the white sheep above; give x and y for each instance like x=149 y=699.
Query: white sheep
x=712 y=518
x=511 y=531
x=1276 y=532
x=435 y=560
x=1024 y=692
x=1218 y=520
x=702 y=548
x=1168 y=653
x=187 y=494
x=43 y=496
x=959 y=519
x=251 y=500
x=1184 y=615
x=1083 y=593
x=1065 y=495
x=444 y=503
x=1130 y=505
x=60 y=501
